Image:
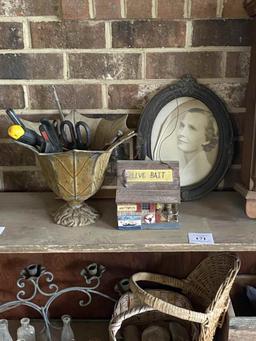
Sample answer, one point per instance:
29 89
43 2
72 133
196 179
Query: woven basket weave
129 310
207 287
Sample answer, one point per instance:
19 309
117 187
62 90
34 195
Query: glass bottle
26 331
4 331
67 332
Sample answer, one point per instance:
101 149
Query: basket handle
116 321
157 303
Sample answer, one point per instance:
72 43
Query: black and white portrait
186 130
187 122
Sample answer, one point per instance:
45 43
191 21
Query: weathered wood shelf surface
29 228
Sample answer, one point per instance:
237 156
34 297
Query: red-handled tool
51 141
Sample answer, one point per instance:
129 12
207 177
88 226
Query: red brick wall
110 57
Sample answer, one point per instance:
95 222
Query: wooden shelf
29 228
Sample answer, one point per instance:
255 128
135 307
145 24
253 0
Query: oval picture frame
187 91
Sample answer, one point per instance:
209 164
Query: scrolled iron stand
34 273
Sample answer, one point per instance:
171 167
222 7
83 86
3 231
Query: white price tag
200 238
2 229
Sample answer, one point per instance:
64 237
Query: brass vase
76 175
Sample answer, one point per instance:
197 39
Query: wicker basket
129 310
207 287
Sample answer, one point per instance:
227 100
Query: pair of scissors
75 136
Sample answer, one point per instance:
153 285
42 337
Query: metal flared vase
76 175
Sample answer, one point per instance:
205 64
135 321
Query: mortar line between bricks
234 110
108 187
104 90
219 10
222 80
80 81
98 21
26 97
143 65
189 33
65 66
92 9
154 8
187 9
1 181
108 35
224 64
123 6
32 18
26 35
92 111
129 50
35 112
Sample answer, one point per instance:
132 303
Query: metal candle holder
33 273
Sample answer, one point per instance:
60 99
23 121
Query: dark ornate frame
188 87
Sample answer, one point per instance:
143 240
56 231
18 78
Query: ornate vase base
73 216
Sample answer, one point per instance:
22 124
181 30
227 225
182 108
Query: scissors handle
68 134
52 143
83 135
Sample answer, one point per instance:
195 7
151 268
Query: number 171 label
200 238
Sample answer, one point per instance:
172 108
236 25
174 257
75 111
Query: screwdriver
15 119
25 135
62 117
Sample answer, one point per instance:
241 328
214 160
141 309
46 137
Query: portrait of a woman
185 130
